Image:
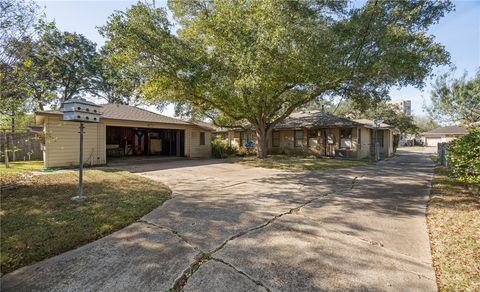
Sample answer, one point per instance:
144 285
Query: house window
202 138
346 138
312 138
275 139
246 138
298 138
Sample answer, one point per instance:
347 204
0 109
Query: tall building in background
404 106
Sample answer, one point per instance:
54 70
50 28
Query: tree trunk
262 141
5 148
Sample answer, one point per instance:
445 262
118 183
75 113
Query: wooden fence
28 146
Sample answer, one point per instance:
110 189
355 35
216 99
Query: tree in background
387 112
456 100
258 61
19 19
20 22
425 124
117 81
73 57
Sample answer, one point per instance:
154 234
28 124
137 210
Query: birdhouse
80 110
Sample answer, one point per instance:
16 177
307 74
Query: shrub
246 151
220 149
464 157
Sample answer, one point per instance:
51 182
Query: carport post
377 123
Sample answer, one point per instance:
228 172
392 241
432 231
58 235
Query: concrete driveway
236 228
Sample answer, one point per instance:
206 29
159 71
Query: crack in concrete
273 219
270 221
235 184
182 280
353 182
174 232
255 281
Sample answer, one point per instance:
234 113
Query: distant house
123 131
320 134
442 135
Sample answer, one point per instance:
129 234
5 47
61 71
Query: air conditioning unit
80 110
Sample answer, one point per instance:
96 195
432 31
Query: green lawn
298 163
411 148
19 166
38 219
17 170
453 217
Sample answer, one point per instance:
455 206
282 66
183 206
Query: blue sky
459 31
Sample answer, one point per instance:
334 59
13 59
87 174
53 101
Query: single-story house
122 131
321 134
442 135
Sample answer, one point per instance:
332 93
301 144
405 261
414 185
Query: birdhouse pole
81 196
80 110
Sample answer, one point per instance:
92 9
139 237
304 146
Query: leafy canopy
260 60
456 100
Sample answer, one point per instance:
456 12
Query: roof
205 125
312 119
371 124
452 130
318 119
129 113
81 101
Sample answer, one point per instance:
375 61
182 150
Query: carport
130 141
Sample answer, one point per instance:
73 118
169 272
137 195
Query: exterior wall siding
328 142
197 150
62 145
363 148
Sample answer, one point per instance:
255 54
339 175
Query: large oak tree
257 61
